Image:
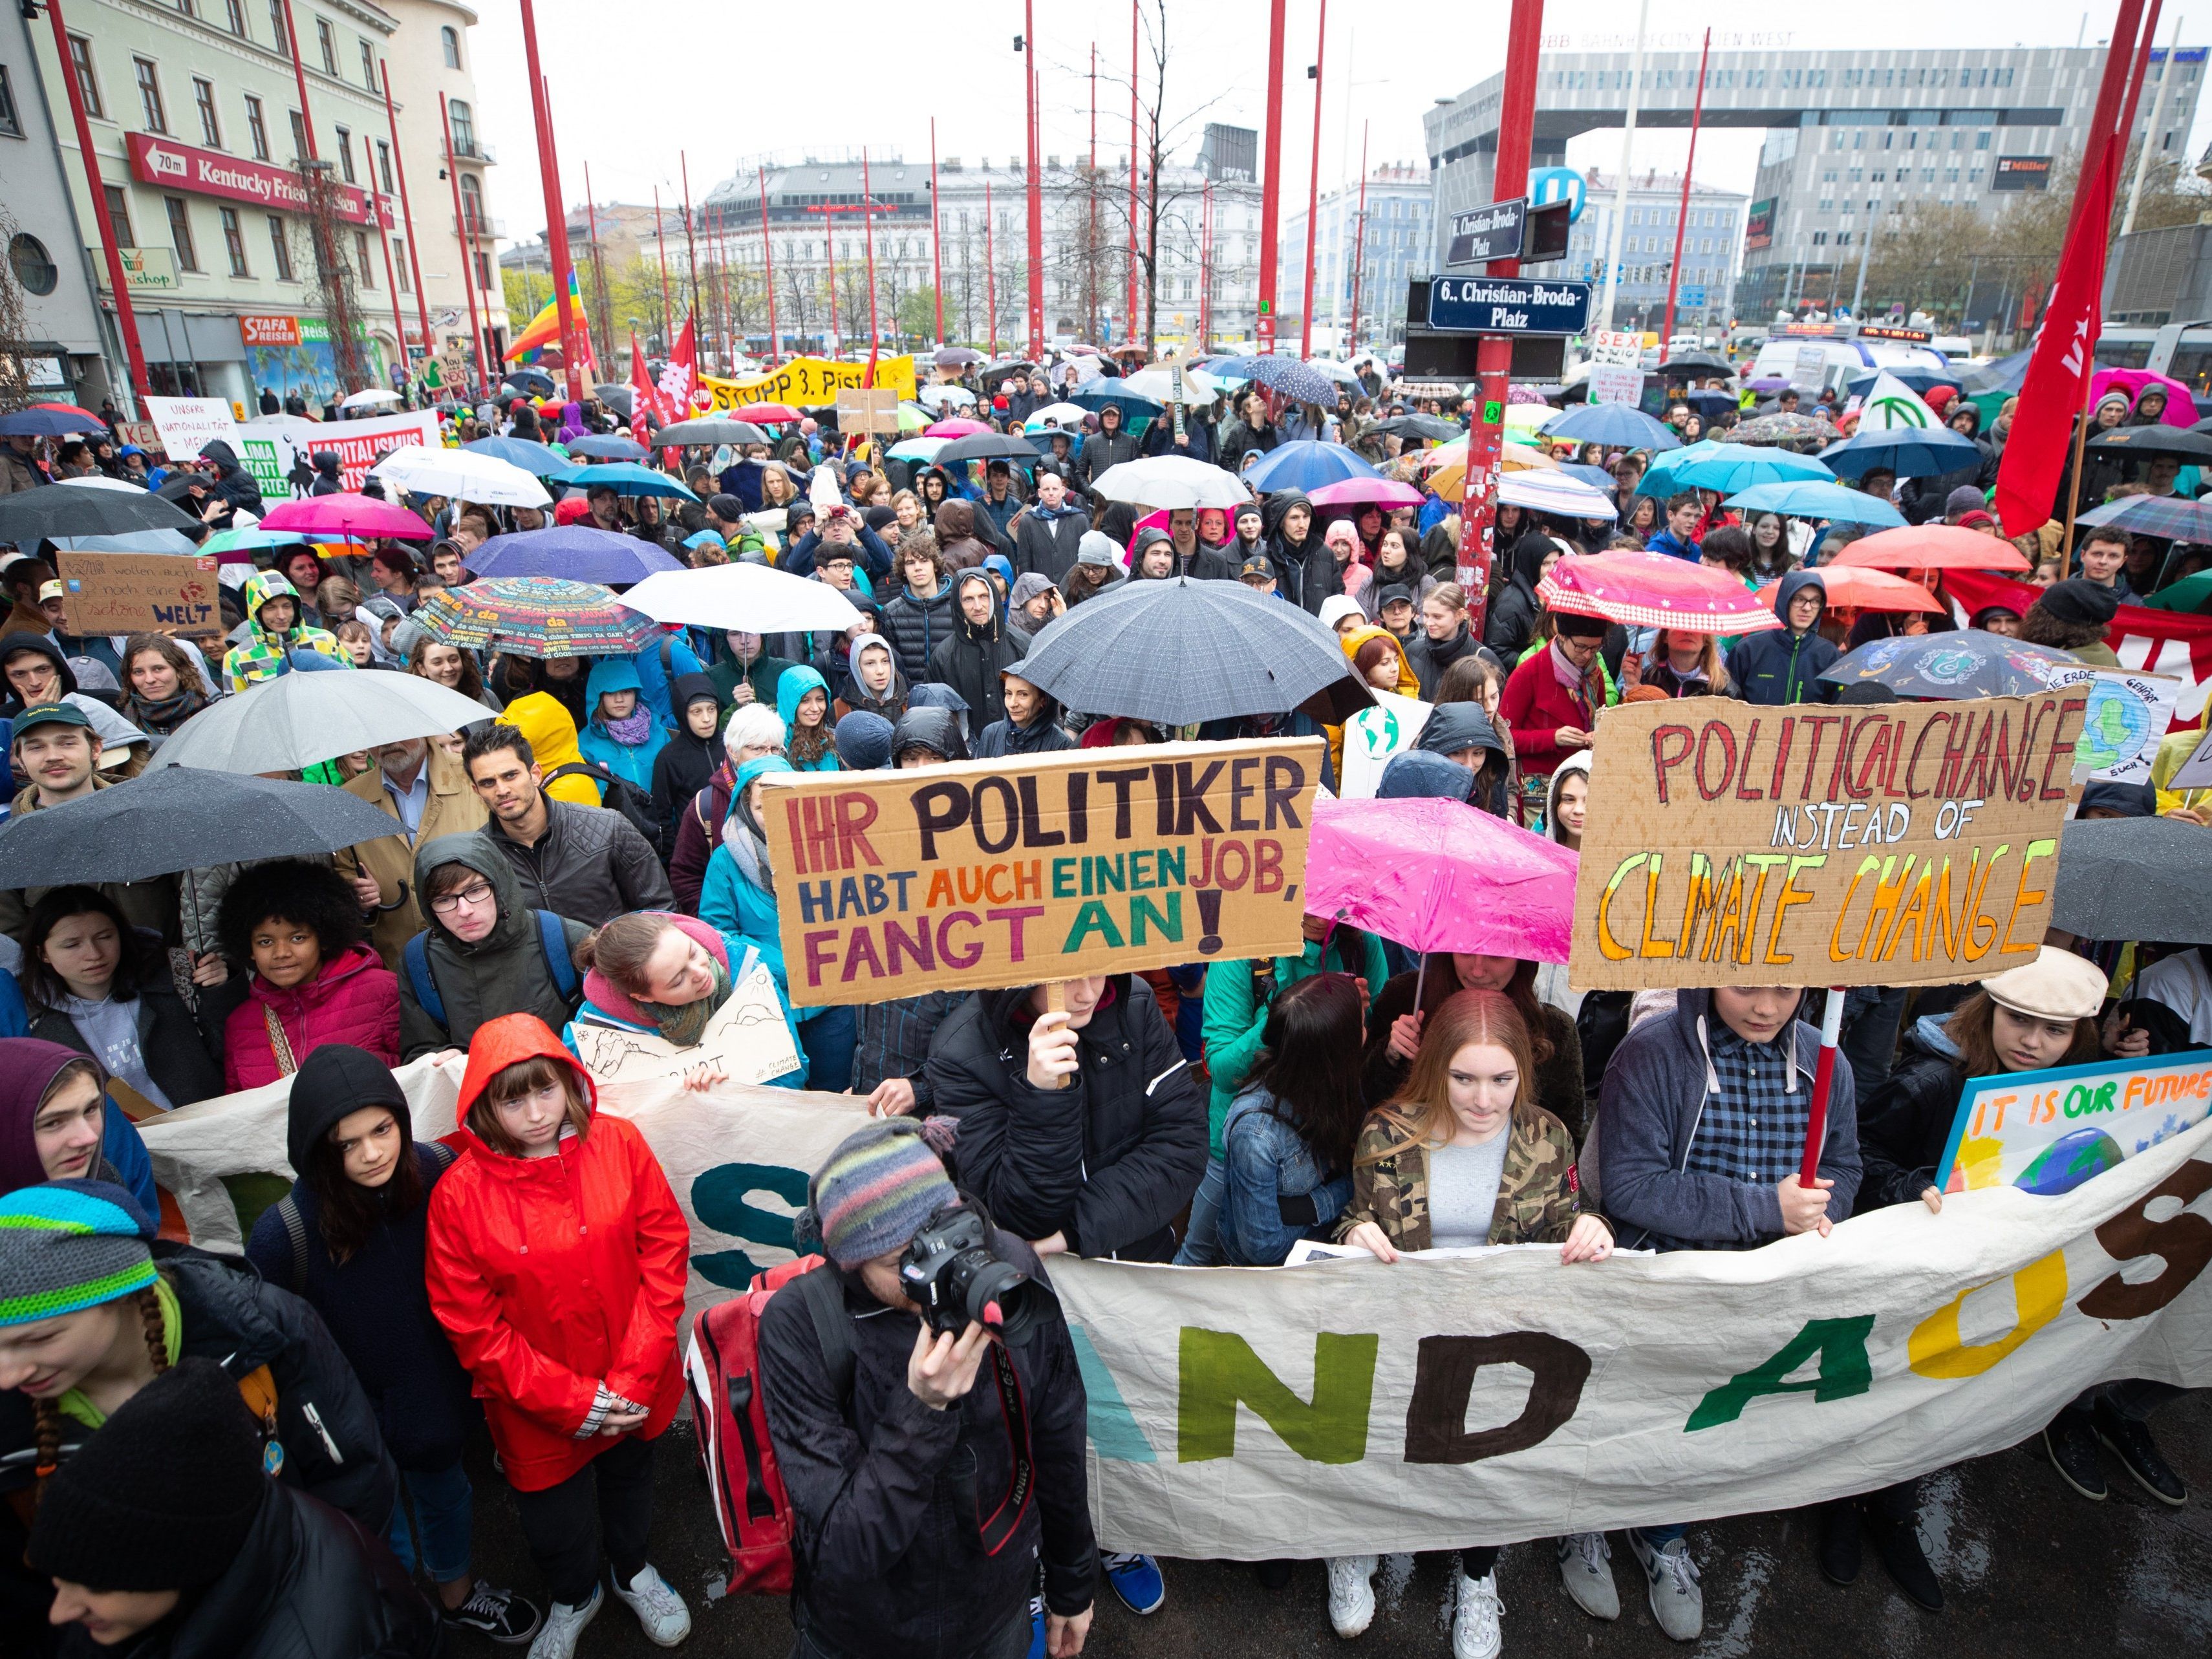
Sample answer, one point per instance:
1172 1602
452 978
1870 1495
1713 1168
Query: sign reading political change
1018 872
139 594
2048 1132
809 382
1870 844
747 1036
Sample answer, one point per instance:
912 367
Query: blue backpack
550 939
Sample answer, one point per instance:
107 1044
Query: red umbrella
1639 588
74 409
770 413
348 515
1350 492
1931 547
1867 590
958 426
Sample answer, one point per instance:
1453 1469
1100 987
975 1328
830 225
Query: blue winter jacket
654 679
630 761
738 899
790 689
1779 664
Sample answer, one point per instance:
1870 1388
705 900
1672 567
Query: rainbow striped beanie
71 1244
876 1191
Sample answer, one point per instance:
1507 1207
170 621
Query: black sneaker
1897 1540
505 1616
2070 1441
2139 1455
1838 1548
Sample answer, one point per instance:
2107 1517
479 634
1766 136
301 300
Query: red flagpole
1129 319
407 212
127 320
461 227
383 237
1312 191
767 261
936 243
1682 214
557 219
1271 183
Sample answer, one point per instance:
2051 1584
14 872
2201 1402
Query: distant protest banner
1348 1406
1020 872
139 594
2048 1132
1870 844
747 1036
188 425
809 382
2126 720
358 444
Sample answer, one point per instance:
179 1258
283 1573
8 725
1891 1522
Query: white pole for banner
1816 1125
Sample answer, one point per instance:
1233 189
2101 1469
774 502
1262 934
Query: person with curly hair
314 980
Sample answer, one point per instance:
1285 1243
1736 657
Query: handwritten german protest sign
808 382
2048 1132
1876 844
1021 872
138 594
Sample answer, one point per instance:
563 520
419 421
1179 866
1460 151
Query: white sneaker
1351 1593
1676 1600
556 1637
1586 1569
660 1609
1475 1634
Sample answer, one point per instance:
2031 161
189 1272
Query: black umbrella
2180 440
619 398
2130 878
710 429
608 449
1178 652
28 515
1696 363
181 818
958 358
1963 662
1434 427
531 382
992 373
987 447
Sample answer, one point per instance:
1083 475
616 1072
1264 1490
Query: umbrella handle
395 904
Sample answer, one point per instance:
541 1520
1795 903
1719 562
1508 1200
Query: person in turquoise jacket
622 734
738 900
802 697
609 1003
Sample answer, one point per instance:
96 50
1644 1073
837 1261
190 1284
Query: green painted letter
1845 1370
1219 1371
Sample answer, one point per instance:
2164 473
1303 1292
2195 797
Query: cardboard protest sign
2127 717
867 409
1020 872
747 1036
2048 1132
1374 736
1873 844
139 594
2196 772
188 425
809 382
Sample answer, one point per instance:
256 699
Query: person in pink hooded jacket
315 978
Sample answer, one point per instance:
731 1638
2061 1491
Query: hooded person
1028 586
543 720
744 656
658 666
864 742
1293 541
483 951
57 1124
649 954
802 699
1783 664
622 735
1108 447
274 630
233 482
938 731
979 649
1464 735
876 681
686 762
328 480
1512 620
957 540
1031 723
27 685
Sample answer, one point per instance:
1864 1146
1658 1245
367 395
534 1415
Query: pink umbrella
1384 492
957 426
1439 875
1639 588
2180 406
349 516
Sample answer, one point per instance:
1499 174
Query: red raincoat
553 1274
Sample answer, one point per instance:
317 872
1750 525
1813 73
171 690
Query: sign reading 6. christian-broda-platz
1508 305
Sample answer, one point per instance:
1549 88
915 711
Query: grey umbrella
296 720
2134 878
182 818
30 515
1178 652
708 429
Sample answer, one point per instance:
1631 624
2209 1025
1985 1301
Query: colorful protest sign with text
1016 872
2048 1132
1808 845
808 382
139 594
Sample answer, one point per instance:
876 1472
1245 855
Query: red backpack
721 1372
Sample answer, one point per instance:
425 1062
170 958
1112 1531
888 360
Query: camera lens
1002 1297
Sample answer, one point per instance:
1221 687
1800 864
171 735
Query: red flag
646 406
679 379
2057 381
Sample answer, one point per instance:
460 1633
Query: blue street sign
1557 185
1691 296
1508 305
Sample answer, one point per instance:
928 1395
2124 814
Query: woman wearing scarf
164 686
1552 699
654 972
738 900
622 735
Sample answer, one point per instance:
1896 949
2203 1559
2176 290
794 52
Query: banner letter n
1840 1345
1219 1371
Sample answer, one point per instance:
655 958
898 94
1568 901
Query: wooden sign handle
1056 1002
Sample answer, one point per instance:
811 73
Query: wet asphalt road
2031 1571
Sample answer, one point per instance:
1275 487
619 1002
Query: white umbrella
756 599
462 475
1555 492
101 480
373 397
1069 415
933 396
135 541
1158 384
1171 481
1342 373
299 719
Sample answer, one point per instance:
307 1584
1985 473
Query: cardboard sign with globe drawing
2127 717
2048 1132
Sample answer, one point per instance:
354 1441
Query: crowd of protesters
594 852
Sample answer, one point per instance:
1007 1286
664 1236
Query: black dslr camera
951 1272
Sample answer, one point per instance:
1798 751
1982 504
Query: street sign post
1491 232
1501 304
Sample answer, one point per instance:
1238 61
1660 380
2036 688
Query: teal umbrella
627 478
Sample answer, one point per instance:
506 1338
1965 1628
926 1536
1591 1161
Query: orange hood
508 1040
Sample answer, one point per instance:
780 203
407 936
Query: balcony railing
470 147
480 226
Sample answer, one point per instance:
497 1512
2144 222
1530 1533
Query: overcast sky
637 87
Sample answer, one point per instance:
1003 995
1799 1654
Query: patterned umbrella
2175 517
1804 431
1964 662
536 617
1644 589
1285 374
347 516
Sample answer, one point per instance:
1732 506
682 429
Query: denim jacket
1237 1218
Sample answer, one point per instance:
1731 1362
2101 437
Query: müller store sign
211 173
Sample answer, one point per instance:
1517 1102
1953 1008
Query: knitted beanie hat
71 1244
876 1191
164 1495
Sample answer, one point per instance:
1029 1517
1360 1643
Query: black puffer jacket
969 659
332 1447
505 972
1906 1122
1107 447
937 730
1429 658
1109 1162
1293 559
887 1493
915 628
590 866
1512 621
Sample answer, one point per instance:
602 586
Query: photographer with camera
923 1501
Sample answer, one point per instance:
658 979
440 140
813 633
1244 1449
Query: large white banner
1348 1406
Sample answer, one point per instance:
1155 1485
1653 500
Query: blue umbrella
1285 374
1596 477
1809 498
1617 426
1305 463
1910 452
533 457
1739 466
608 449
45 423
1662 480
627 478
1922 381
1099 394
582 553
917 449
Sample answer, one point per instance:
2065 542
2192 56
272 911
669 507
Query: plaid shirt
1752 1130
894 1040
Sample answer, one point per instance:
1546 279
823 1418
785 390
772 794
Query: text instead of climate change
1013 873
1809 845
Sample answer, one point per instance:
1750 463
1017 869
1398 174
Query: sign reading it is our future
1508 305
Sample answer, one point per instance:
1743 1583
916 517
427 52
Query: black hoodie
1298 561
233 482
971 656
327 481
937 730
686 762
1512 622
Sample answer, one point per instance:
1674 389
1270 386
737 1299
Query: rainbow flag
544 329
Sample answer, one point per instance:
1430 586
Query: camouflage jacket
1538 1195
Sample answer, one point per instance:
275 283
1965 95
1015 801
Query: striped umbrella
536 617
